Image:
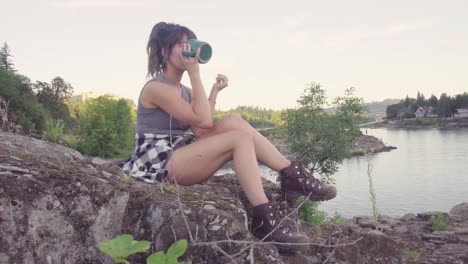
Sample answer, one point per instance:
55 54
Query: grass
429 121
438 223
309 212
413 255
337 219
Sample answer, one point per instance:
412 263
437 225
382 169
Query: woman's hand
221 82
191 63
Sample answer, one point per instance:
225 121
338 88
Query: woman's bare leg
200 160
266 153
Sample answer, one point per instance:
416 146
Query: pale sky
270 50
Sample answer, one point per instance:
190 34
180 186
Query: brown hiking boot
296 181
263 223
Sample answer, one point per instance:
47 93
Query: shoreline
422 123
361 145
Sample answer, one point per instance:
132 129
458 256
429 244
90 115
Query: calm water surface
428 171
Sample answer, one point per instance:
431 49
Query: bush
54 130
16 89
337 219
438 223
106 126
319 139
309 212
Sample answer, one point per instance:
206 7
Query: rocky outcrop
57 205
361 145
368 144
7 119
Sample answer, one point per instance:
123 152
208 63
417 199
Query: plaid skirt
152 151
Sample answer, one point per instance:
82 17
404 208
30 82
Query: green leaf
139 246
177 249
156 258
122 246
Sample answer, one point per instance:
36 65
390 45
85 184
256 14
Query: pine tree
5 58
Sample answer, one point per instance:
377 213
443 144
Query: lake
427 172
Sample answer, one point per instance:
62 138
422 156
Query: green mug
205 50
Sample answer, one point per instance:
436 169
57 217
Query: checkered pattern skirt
152 151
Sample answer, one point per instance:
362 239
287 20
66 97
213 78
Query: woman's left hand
221 82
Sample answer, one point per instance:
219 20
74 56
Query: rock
365 221
379 248
408 217
58 210
460 210
444 236
456 253
426 216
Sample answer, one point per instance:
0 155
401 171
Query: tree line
102 126
444 106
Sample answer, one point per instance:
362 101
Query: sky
270 50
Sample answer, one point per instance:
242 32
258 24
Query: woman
167 109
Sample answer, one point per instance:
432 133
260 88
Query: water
427 172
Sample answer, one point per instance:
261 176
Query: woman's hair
164 36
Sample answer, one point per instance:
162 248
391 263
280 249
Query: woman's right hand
191 63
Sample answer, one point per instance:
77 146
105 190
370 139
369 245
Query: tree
420 100
5 58
55 97
321 140
16 89
106 126
393 110
446 106
433 101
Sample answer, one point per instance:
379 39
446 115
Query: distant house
425 111
462 113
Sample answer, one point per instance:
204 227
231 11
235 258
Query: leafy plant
122 246
337 219
309 212
71 140
438 223
106 127
54 130
171 257
413 255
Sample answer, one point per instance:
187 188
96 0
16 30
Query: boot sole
292 196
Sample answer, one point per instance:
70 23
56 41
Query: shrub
309 212
54 130
438 223
337 219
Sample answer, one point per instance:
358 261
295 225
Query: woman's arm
201 106
221 83
159 94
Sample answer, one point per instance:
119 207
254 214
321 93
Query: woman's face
174 59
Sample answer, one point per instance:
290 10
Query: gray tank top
156 120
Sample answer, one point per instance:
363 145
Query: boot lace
274 215
311 180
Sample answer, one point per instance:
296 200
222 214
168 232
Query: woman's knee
242 137
233 121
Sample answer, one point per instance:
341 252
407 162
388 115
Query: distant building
425 111
80 98
462 113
